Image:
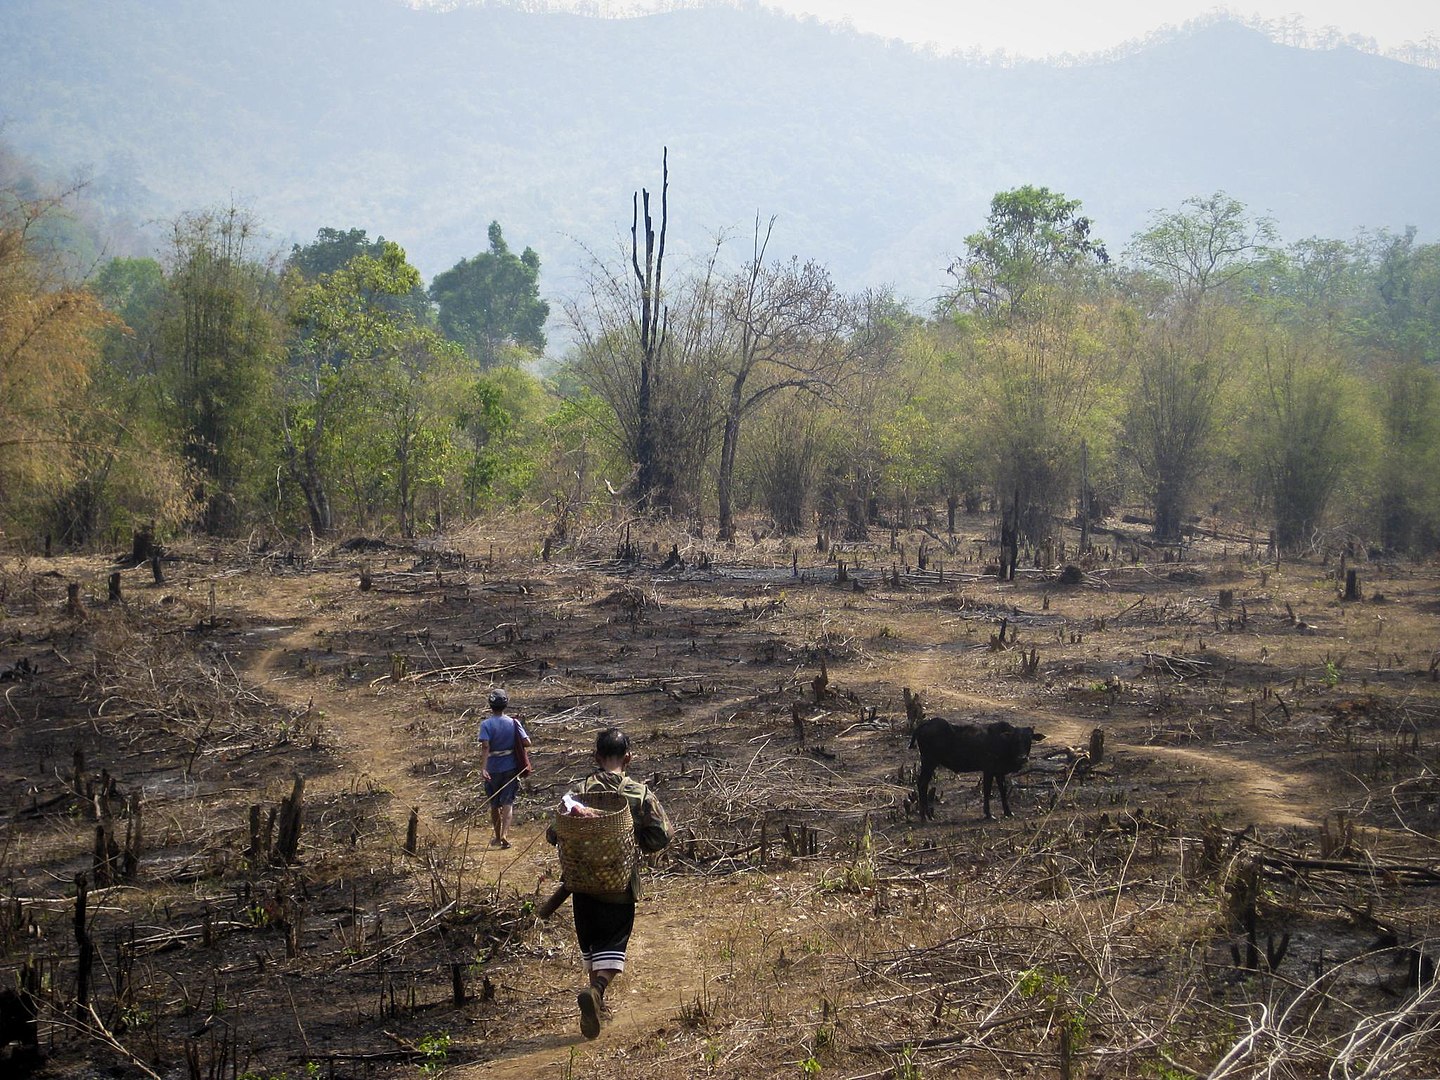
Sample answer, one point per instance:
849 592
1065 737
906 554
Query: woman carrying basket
604 921
503 760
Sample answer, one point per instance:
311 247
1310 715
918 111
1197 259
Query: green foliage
1310 431
1202 249
905 1067
492 300
221 339
333 249
371 394
1033 236
501 420
434 1048
1407 400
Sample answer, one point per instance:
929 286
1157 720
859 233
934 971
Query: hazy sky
1038 28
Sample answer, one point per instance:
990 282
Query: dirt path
672 928
369 731
661 976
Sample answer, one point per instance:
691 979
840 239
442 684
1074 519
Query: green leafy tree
492 301
414 387
342 323
500 418
221 343
1032 278
877 334
332 249
371 394
1033 236
136 291
1185 348
1203 249
1408 404
1309 429
1406 316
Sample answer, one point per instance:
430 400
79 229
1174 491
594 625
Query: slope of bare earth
1242 883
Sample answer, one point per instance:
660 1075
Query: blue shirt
499 731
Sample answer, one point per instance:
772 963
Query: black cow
994 750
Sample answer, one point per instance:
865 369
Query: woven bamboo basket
597 854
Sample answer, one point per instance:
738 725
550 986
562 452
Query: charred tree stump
156 571
294 927
85 944
412 831
114 596
72 601
134 835
821 682
253 851
105 855
20 1024
142 546
365 583
457 984
1097 747
1352 585
288 842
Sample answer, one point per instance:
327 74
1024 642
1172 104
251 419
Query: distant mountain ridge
424 125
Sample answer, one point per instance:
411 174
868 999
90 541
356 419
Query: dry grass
1243 888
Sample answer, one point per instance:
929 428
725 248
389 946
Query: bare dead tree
786 322
654 321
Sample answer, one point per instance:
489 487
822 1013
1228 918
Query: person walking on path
603 922
504 758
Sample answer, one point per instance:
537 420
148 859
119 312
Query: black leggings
603 930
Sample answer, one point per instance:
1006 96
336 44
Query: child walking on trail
500 737
603 922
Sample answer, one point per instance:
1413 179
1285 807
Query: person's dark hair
611 743
498 700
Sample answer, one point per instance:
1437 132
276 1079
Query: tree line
1204 372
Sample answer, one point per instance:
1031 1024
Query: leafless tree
786 329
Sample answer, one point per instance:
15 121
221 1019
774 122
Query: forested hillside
1199 365
425 125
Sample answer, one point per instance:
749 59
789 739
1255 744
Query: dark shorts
603 931
502 787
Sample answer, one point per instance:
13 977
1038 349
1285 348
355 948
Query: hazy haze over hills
424 125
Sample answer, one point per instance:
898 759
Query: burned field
1236 877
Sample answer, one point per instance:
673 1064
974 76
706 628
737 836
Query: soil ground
1253 854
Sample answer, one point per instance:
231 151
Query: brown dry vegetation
1243 886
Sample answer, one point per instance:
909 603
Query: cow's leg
989 779
922 785
1004 794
